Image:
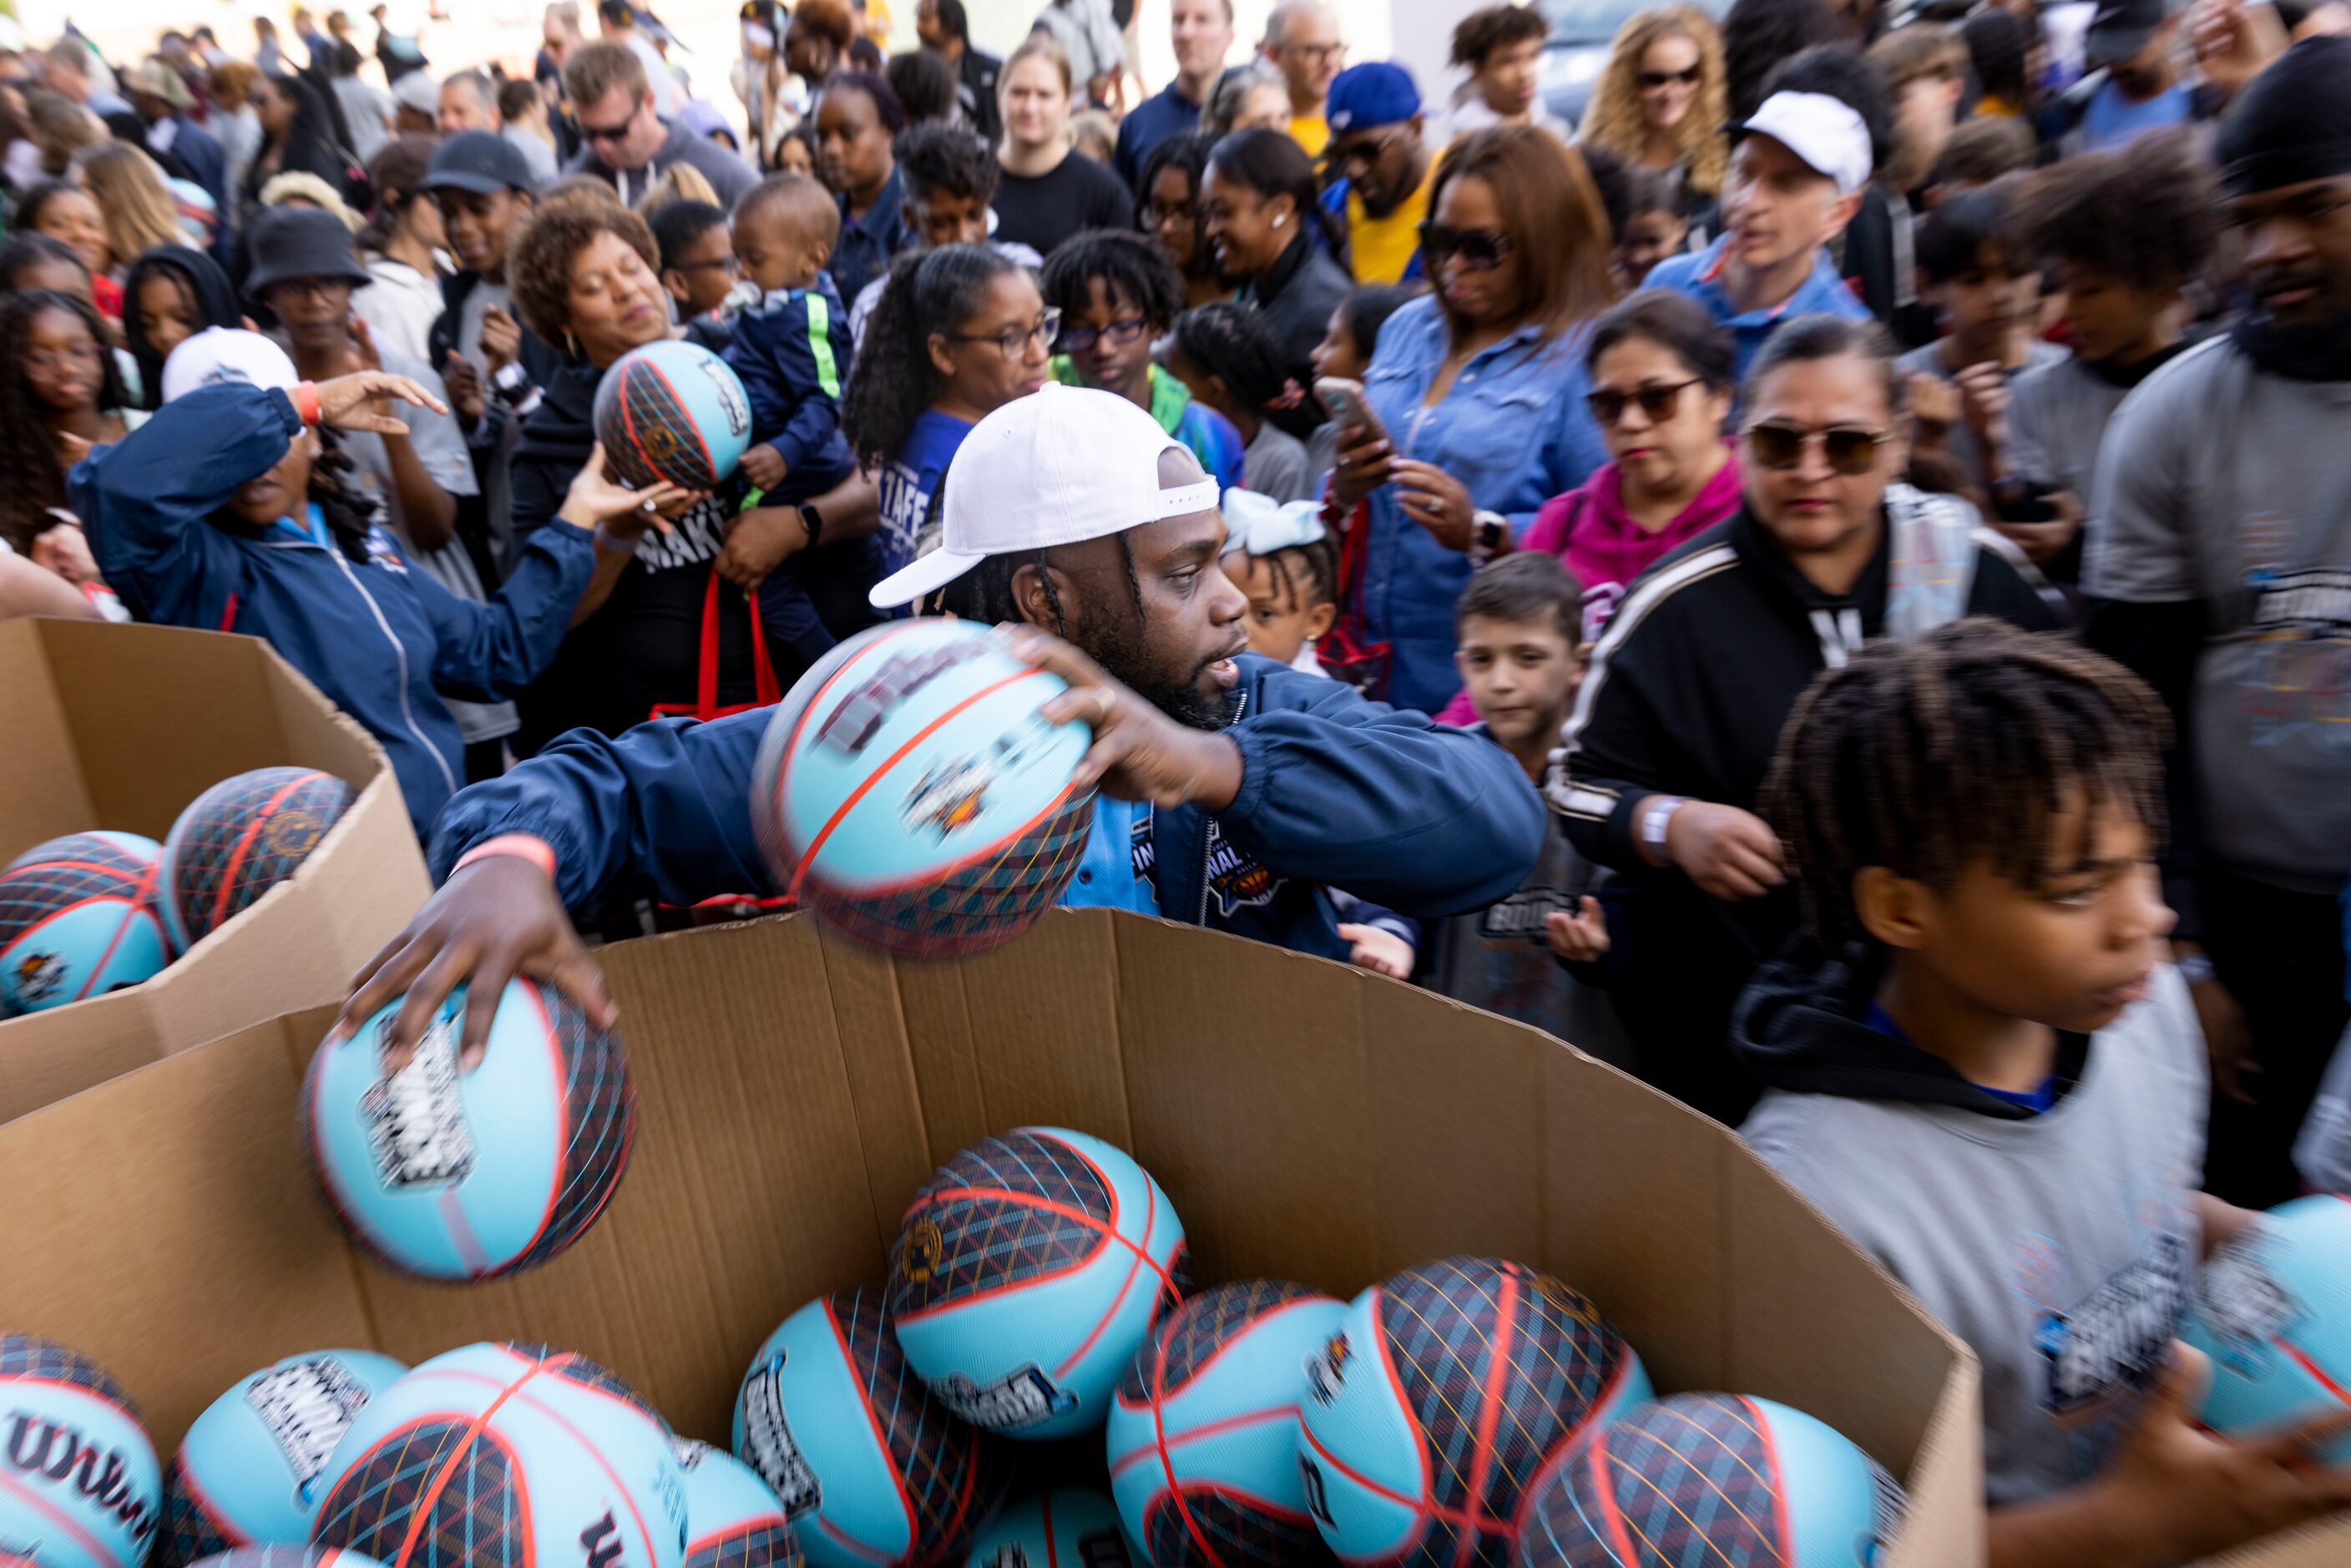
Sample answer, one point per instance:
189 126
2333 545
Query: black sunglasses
1481 250
1850 449
1652 80
1657 402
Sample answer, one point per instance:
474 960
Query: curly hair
32 480
1758 35
1492 28
2146 216
539 260
1126 265
926 86
947 160
893 380
1615 122
1232 343
887 107
1955 750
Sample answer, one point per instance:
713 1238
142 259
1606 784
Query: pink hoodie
1596 538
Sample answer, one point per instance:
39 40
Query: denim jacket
1513 429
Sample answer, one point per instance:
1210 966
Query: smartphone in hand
1345 398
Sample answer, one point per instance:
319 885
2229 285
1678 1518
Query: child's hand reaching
764 466
1581 937
1381 952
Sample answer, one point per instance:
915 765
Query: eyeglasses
1315 53
1156 212
1851 449
1120 334
1481 250
1014 341
1367 152
47 362
1652 80
1657 402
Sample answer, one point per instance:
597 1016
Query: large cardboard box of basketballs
1304 1121
116 730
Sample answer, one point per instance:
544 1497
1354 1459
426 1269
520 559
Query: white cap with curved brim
1059 466
1826 132
219 354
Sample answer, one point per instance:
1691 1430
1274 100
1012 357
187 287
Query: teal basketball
909 791
1203 1431
1444 1389
2273 1312
1065 1527
733 1519
79 917
673 411
79 1487
1709 1478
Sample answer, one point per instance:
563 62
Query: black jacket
1296 296
1687 691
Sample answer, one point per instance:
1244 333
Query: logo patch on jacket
1237 879
1520 918
382 552
1140 848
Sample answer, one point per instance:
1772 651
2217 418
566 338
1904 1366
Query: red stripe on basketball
64 1522
866 784
874 1420
1419 1505
628 1498
1605 1489
1159 1438
1489 1409
1191 1435
130 911
221 1525
432 1493
548 1038
1026 1200
2317 1374
849 1543
245 841
1386 1363
1133 1266
709 464
1787 1542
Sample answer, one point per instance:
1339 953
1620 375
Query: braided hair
32 480
992 600
1232 343
1956 748
893 380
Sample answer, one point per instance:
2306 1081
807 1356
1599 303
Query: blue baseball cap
1377 92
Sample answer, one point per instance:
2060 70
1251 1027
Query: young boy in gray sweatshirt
1995 1082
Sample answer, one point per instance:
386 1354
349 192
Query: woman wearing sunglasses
1475 393
1706 656
1660 102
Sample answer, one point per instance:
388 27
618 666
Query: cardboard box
120 726
1309 1121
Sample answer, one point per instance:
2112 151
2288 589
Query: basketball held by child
872 1471
673 413
77 919
247 1472
1204 1429
450 1172
241 838
79 1486
911 793
1709 1478
1025 1275
507 1455
1444 1390
733 1519
1067 1527
2272 1310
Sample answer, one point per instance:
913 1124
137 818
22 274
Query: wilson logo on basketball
44 1452
1326 1371
600 1543
925 1247
38 975
293 833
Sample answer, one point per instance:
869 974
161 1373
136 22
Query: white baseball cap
219 354
1059 466
1824 131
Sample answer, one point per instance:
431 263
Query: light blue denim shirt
1513 429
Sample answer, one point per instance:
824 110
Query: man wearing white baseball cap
1801 163
1234 788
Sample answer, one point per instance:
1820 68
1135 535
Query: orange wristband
536 851
306 402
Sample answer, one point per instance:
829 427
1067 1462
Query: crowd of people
1822 581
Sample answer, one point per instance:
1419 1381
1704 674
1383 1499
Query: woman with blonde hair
1661 101
132 197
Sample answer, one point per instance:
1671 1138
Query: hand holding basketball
1139 753
596 497
347 402
495 919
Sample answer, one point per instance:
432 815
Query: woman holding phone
1474 403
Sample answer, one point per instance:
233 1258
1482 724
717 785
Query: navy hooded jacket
1424 818
380 639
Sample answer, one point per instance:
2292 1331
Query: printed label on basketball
870 704
293 833
38 975
1024 1398
768 1444
305 1407
731 401
2243 1303
1317 1502
925 1248
1326 1370
49 1458
415 1118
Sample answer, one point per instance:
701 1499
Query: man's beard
1121 654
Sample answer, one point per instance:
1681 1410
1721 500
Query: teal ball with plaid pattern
238 839
672 411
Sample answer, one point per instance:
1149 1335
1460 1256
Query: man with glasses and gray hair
1301 39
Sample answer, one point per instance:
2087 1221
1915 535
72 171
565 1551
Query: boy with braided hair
1987 1073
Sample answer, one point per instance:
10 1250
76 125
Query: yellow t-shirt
1383 247
1311 131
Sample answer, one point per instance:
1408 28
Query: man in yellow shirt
1301 39
1382 157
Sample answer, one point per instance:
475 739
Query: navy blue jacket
792 353
380 639
1164 113
199 152
868 244
1424 818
